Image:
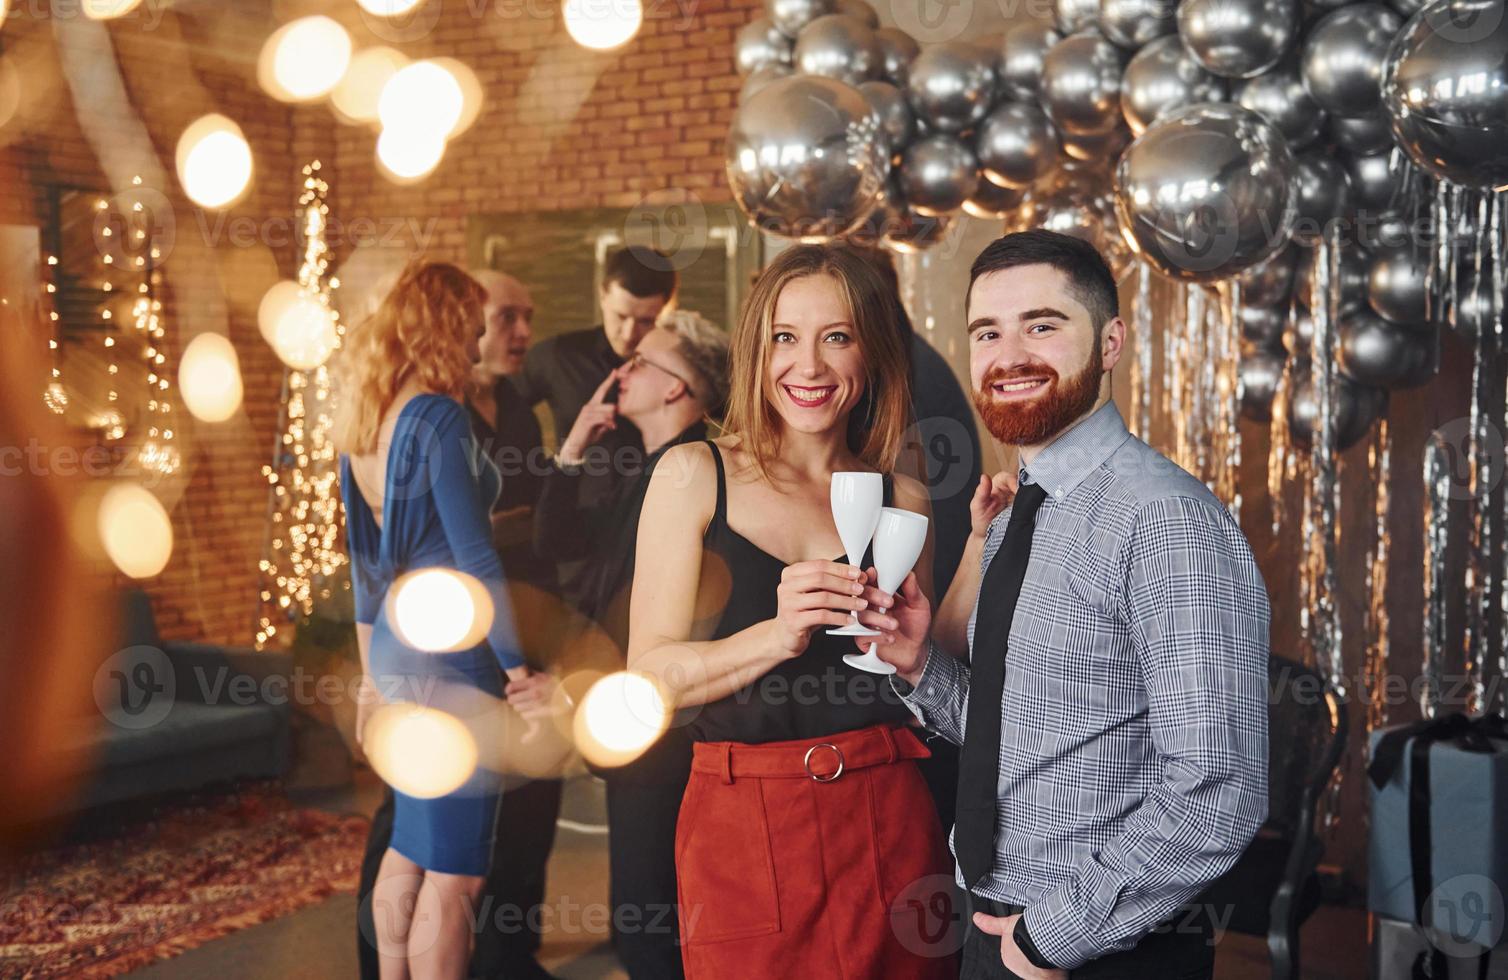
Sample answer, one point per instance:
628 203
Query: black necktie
979 762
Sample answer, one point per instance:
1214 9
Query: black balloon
1263 326
1261 373
1376 352
1269 283
1324 195
1354 268
1356 408
1363 135
990 200
1396 287
1373 183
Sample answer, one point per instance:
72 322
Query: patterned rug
168 882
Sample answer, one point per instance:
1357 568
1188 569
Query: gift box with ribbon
1439 837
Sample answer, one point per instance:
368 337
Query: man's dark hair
642 271
1089 278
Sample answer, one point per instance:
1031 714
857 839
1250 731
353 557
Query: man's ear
1112 342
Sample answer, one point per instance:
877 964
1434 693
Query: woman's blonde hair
420 329
877 424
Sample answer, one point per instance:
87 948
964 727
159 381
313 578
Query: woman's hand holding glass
813 594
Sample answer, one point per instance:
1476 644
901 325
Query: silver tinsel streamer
1479 577
1375 661
1228 389
1319 619
1282 461
1141 374
1437 483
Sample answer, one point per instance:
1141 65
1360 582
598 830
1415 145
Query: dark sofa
222 715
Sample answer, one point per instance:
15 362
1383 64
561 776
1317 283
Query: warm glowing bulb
408 156
603 24
209 378
388 8
135 530
471 93
620 716
107 9
356 96
305 59
439 610
214 161
423 97
422 752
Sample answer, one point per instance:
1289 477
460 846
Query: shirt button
1058 492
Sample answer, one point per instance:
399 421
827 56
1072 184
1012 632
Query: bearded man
1101 656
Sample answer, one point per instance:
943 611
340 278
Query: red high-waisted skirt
812 859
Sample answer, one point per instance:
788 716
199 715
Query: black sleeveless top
811 696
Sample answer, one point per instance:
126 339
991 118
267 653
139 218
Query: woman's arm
663 613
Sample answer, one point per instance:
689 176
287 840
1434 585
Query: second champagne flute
898 543
857 499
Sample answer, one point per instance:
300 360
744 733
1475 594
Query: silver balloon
1020 61
859 10
838 46
1072 16
1356 408
1324 194
1352 279
938 174
1373 183
990 200
1268 284
1444 86
1161 77
1261 373
895 113
1073 200
789 16
758 44
1376 352
1298 336
1016 145
1408 8
1342 57
1279 97
1238 38
1387 232
1081 84
901 228
1102 149
1207 192
1263 326
897 50
1363 135
1134 23
952 85
806 158
1396 288
1473 312
757 80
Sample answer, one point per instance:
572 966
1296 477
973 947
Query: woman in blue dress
417 492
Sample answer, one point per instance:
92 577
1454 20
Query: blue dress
439 490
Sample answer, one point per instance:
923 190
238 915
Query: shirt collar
1063 463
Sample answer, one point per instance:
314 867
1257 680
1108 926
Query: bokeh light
621 716
355 98
603 24
388 8
439 610
304 59
214 161
209 378
299 328
422 99
409 156
471 93
107 9
421 751
135 531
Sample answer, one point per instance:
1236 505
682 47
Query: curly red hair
420 330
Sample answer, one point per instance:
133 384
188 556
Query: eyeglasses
637 360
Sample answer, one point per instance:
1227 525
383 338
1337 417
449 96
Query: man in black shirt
565 371
677 376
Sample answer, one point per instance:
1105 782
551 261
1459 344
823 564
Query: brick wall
561 128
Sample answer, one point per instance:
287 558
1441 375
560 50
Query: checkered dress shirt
1133 738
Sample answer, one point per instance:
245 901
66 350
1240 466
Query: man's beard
1033 422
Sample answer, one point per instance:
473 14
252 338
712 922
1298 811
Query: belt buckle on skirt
808 762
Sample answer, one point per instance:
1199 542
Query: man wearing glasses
675 379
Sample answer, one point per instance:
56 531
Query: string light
305 516
157 453
110 422
56 394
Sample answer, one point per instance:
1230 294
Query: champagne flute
898 543
857 499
